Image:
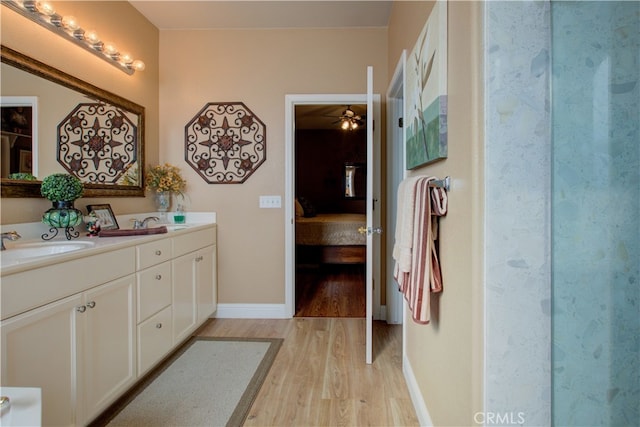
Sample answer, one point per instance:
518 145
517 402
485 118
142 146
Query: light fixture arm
60 25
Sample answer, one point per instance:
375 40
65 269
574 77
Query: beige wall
113 20
258 68
446 355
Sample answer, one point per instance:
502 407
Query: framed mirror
71 113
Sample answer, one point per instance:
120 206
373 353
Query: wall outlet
270 202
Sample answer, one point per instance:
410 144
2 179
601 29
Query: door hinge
400 122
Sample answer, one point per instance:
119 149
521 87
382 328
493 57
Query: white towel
404 224
417 269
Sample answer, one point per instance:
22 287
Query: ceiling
245 14
323 116
218 14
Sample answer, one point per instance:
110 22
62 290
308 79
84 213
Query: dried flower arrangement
165 178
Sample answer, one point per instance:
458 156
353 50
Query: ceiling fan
349 120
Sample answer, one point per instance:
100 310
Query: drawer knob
158 252
91 304
159 325
158 276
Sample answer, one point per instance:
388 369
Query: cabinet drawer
154 340
34 288
154 290
153 253
193 241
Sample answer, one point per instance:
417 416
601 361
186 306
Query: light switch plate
270 202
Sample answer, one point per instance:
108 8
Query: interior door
371 229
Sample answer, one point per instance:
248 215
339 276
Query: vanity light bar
42 13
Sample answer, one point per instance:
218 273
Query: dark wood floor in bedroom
331 290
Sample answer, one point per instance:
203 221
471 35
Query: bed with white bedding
332 238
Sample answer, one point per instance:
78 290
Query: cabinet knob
91 304
159 325
200 258
81 309
158 252
158 276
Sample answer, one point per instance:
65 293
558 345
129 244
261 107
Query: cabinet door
184 296
39 349
206 283
109 344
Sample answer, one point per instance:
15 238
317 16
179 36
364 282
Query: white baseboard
251 311
416 395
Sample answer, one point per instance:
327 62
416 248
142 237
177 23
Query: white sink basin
24 251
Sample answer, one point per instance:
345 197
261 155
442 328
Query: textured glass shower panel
596 213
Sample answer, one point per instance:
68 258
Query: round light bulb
92 37
110 48
126 58
45 8
70 22
345 125
138 65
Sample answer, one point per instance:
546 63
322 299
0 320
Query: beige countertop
94 245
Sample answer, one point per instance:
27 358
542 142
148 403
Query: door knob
370 230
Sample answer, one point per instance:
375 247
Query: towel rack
441 183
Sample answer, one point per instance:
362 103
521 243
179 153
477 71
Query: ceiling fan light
345 124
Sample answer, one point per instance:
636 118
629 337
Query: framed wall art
426 102
105 216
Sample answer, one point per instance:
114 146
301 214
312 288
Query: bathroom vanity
86 325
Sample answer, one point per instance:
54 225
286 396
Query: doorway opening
330 167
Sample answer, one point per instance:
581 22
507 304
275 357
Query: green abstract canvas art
426 103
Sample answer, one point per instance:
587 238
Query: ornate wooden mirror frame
16 188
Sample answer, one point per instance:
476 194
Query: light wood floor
320 377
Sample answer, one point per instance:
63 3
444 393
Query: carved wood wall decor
225 143
98 143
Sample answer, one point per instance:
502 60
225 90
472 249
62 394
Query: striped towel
422 276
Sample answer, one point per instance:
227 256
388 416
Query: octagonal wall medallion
225 142
97 143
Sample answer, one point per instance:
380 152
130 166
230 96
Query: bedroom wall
320 159
257 67
128 29
445 357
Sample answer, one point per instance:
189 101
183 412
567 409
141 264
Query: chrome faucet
11 235
137 224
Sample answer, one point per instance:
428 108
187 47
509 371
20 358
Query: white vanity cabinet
194 281
72 333
79 350
86 329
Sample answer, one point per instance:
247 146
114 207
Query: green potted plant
62 189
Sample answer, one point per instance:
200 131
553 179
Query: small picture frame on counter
106 218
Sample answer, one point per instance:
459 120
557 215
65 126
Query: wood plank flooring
331 290
320 377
